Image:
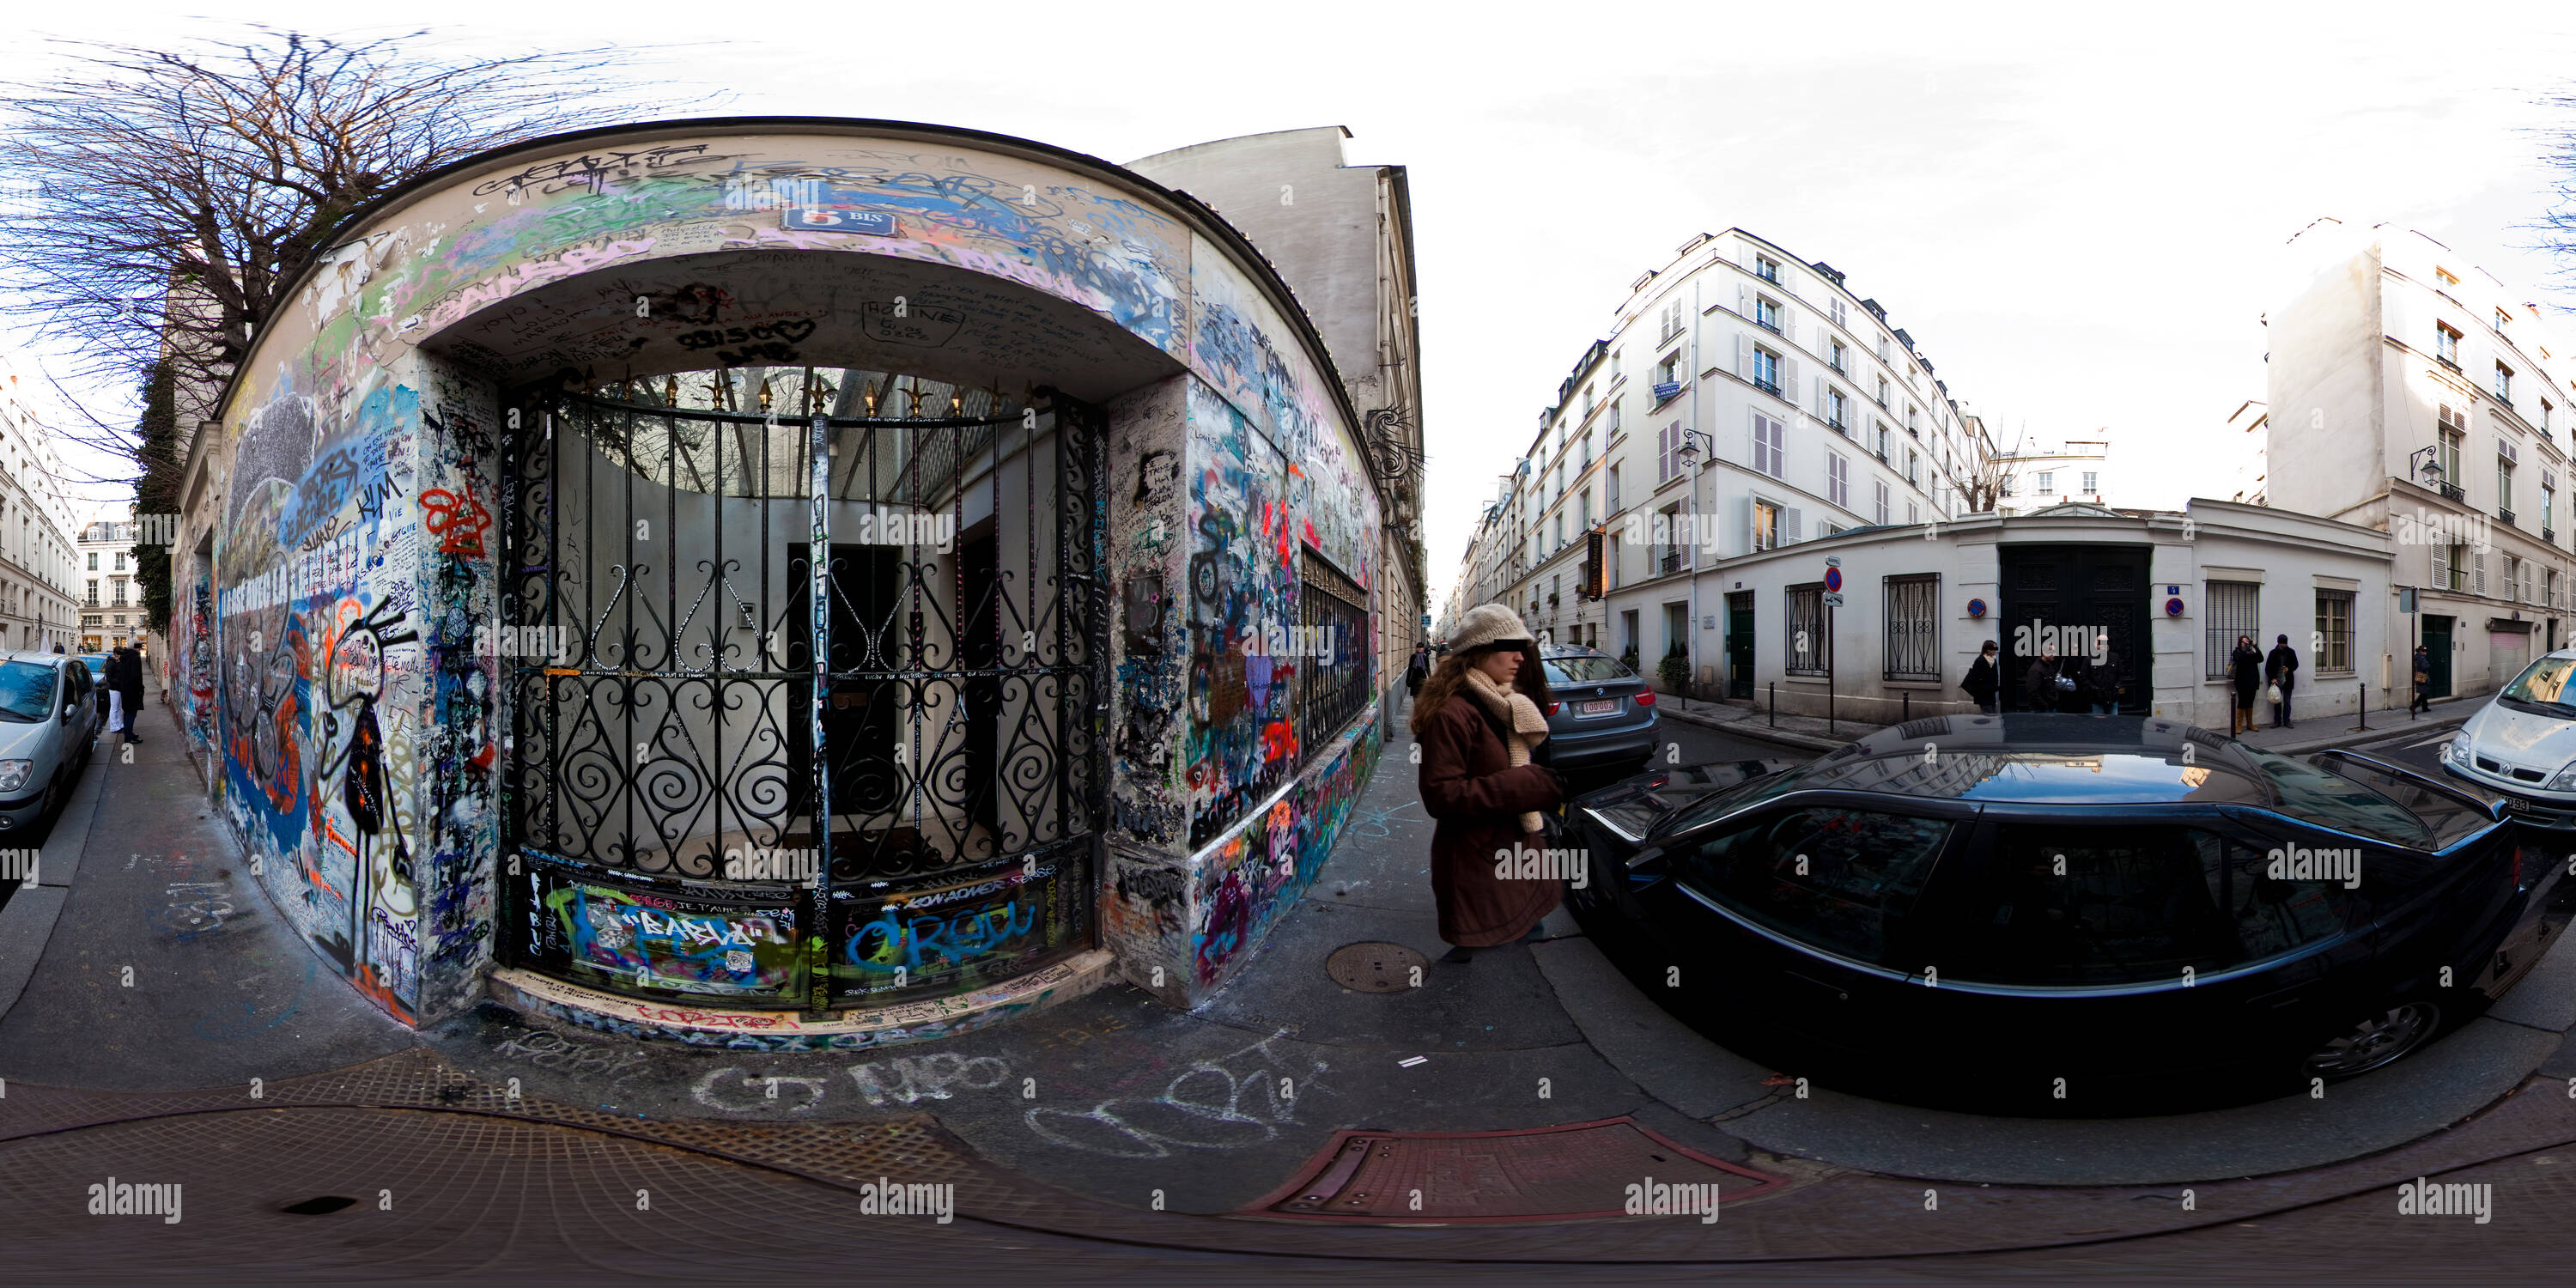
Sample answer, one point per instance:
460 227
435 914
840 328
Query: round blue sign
1976 608
2173 608
1834 579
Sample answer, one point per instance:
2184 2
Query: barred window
1913 628
1809 653
2334 632
1334 689
2232 612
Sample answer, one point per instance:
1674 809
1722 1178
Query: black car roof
2048 759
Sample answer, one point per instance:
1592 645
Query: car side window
2271 915
1838 879
2077 906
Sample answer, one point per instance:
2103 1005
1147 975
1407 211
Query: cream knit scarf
1522 716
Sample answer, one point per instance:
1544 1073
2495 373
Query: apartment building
2414 393
2034 478
111 613
1745 399
37 607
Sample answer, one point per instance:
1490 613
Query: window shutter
2441 566
2478 572
1789 377
1743 300
1790 531
1743 357
1744 520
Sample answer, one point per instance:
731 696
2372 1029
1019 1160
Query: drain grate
1375 967
1580 1171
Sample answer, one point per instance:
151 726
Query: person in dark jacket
2039 688
1982 680
2102 679
2281 667
1479 721
125 674
2245 672
1417 671
2423 665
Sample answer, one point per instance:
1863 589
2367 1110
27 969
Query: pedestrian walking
2423 665
2245 672
2039 684
125 704
2102 679
2281 669
1417 671
1479 720
1982 680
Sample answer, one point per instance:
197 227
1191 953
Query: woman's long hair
1451 676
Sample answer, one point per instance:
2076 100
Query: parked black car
1604 715
2078 915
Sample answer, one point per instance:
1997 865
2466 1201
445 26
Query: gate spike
871 396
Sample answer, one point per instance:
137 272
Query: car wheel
2377 1041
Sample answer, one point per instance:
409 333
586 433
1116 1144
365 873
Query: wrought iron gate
738 772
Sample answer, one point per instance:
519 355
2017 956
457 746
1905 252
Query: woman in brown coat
1479 718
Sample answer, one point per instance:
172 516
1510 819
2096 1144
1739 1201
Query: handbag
2066 684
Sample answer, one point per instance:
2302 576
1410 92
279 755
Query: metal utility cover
1576 1172
1374 967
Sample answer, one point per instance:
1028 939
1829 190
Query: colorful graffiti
652 941
958 935
1245 882
199 661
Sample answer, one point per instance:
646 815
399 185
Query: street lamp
1690 453
2427 462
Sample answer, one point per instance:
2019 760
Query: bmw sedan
2077 915
1603 714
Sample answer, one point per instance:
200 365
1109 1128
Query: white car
2522 743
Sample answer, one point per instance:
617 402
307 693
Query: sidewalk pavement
1811 734
1115 1119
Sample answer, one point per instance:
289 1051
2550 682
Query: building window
2548 505
93 592
1834 406
2092 483
2503 320
1834 355
1913 628
2445 275
1583 510
1881 485
2446 343
1766 268
1670 521
93 561
2451 567
1766 526
1767 435
2504 486
1913 513
1910 426
2545 410
1766 313
1838 480
1614 418
2232 612
1913 468
1882 440
1766 370
2047 482
1882 391
1809 652
1669 371
1610 490
1841 315
2448 453
2503 391
120 555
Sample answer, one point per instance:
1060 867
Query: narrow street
1111 1136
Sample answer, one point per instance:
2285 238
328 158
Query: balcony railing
1766 386
2549 534
2507 517
1671 562
1767 325
2453 492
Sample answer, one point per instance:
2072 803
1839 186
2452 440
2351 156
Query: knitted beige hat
1488 624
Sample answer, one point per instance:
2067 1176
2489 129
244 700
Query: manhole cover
1376 968
1579 1171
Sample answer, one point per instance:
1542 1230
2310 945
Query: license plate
1601 707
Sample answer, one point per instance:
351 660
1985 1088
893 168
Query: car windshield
1584 670
2543 687
26 691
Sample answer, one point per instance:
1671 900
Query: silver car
48 725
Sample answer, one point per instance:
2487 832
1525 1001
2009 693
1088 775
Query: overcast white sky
2074 213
